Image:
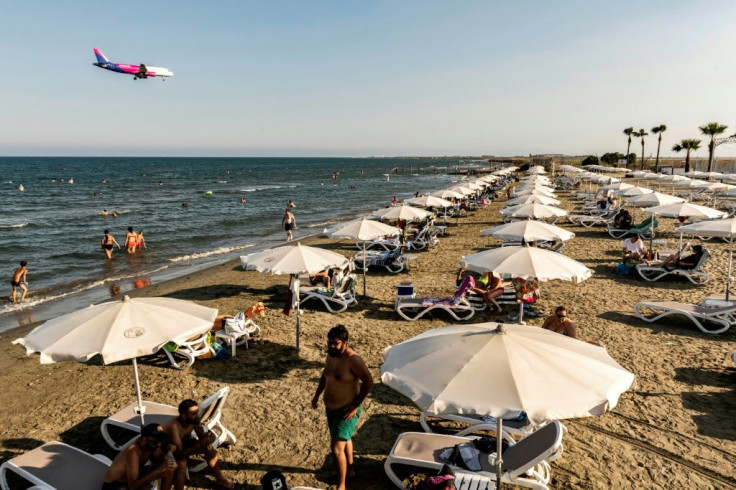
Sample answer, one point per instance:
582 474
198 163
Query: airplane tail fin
100 57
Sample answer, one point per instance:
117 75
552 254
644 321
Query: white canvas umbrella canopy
465 191
119 330
403 212
690 184
633 191
618 186
293 260
536 211
725 228
500 370
653 199
526 263
362 229
535 187
694 173
429 202
529 231
531 199
685 210
448 194
641 174
533 192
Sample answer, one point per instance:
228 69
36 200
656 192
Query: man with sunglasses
129 471
560 323
179 430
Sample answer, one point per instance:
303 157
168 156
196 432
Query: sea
189 209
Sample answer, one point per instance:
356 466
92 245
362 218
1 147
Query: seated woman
325 278
688 261
623 220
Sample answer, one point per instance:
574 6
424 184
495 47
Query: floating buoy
208 193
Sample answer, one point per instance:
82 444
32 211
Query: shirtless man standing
345 382
560 323
289 223
19 280
128 470
178 430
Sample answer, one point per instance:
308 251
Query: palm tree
640 134
658 130
628 132
712 129
688 145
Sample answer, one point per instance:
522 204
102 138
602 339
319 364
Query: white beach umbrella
724 228
363 229
465 191
501 370
616 186
119 330
535 186
429 202
685 210
690 184
640 174
534 192
448 194
403 212
694 173
526 263
653 199
473 186
712 175
674 178
293 260
633 191
533 210
530 199
529 231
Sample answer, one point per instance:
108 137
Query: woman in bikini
107 243
494 289
131 241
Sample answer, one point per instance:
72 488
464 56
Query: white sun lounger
187 352
457 306
57 466
210 412
696 275
336 301
699 315
524 463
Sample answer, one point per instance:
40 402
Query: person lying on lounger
128 470
688 261
488 286
179 429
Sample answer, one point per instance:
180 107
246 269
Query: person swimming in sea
104 213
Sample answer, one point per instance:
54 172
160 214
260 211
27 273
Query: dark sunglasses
561 316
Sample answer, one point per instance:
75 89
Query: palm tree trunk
641 165
656 164
711 150
687 161
628 148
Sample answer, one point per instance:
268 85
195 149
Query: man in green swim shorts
345 381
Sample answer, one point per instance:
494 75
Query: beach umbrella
429 202
119 330
362 229
533 192
617 186
448 194
531 199
685 210
535 187
529 231
293 260
461 189
653 199
500 370
633 191
694 173
526 263
690 184
403 212
640 174
724 228
533 210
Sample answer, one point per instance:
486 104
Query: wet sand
675 428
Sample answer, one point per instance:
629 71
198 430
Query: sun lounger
723 317
393 261
590 220
336 299
457 306
387 244
210 411
183 355
696 275
59 466
524 463
645 229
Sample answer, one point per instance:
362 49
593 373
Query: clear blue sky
355 78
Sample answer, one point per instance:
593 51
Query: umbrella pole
499 458
730 262
298 312
521 313
140 409
365 266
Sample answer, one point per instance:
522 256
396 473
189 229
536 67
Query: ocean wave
13 225
217 251
42 297
263 188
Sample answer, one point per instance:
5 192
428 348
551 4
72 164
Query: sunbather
178 430
623 220
688 261
633 249
487 286
560 323
128 470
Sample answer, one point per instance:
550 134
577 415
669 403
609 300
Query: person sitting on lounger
179 429
128 470
688 261
321 278
623 220
488 286
560 323
634 249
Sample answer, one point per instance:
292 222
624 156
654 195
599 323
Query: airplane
138 71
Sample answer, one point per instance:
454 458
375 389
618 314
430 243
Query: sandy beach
675 428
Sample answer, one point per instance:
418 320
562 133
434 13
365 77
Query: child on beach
19 280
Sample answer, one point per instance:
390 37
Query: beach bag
274 480
624 269
489 444
464 455
235 325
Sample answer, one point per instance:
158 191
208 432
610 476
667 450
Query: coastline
667 431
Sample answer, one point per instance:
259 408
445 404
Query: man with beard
179 430
345 382
129 471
